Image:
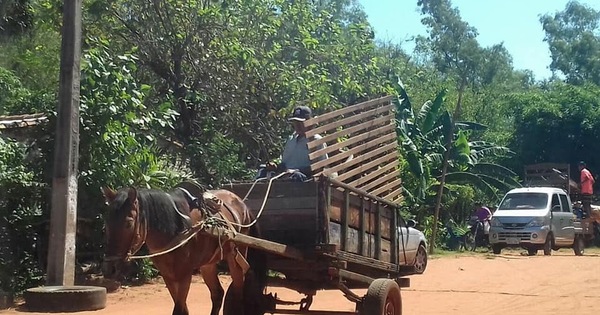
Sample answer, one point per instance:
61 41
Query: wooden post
63 220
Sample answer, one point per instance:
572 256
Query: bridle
138 238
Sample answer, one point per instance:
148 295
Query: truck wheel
496 249
383 298
65 298
548 245
579 245
532 251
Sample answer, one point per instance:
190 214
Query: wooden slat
362 230
344 224
268 246
361 159
391 185
354 118
365 179
367 166
348 109
368 146
394 194
378 238
383 179
379 132
347 131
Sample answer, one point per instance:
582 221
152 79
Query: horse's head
125 232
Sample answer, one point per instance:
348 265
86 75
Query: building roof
22 121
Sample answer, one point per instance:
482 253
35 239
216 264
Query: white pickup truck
535 218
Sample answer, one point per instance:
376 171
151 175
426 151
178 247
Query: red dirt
466 285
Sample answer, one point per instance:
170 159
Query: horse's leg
236 288
182 292
172 286
211 279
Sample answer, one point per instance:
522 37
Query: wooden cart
340 230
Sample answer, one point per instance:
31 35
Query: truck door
568 228
557 221
562 220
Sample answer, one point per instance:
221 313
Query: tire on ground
65 298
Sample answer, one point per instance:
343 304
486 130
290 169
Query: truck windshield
524 201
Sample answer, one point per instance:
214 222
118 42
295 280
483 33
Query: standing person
295 153
587 188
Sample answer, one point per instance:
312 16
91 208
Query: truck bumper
520 237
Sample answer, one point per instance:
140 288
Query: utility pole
63 219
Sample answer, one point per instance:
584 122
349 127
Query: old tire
65 298
579 245
496 249
548 245
420 260
532 251
383 298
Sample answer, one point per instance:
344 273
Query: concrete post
63 220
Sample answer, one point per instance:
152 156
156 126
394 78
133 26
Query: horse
157 218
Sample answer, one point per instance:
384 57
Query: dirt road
466 285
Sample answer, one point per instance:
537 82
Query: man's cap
301 113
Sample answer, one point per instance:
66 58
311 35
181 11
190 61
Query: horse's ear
109 194
132 194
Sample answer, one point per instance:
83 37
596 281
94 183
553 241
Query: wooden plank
365 179
347 109
380 134
362 229
387 187
278 189
366 261
362 167
362 193
394 195
282 203
335 124
344 224
394 238
329 163
267 246
348 131
337 215
378 238
380 180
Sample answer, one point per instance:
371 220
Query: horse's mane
157 209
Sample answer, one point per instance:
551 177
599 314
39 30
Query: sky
512 22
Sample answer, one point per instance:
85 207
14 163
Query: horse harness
210 208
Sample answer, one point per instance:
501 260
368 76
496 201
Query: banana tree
423 137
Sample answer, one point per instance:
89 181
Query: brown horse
156 218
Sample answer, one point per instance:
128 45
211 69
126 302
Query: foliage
557 125
20 198
574 42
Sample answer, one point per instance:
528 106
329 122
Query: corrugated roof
22 121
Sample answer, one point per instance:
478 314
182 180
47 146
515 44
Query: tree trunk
438 201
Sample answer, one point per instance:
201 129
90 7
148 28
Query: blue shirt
295 152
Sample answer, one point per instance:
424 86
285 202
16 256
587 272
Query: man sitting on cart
295 153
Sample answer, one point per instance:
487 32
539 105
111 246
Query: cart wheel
383 298
579 245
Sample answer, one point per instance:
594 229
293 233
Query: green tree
572 36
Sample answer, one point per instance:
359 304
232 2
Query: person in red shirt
586 184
